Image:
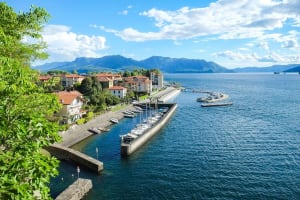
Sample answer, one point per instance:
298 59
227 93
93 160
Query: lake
250 150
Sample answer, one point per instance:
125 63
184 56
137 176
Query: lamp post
97 152
78 171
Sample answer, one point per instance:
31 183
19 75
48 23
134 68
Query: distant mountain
273 68
120 63
49 66
182 65
295 69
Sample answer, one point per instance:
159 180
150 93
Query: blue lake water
250 150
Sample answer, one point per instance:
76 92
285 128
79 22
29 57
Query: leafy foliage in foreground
24 109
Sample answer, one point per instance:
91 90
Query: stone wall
77 190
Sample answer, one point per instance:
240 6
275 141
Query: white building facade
118 91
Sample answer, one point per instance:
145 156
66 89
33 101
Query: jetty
77 190
213 97
68 154
132 141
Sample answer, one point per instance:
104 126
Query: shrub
80 121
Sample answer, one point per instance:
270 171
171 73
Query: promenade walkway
78 133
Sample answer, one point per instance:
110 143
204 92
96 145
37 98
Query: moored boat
94 130
114 120
216 104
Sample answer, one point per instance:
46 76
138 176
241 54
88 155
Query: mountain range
117 63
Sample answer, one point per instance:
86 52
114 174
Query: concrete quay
77 190
170 93
65 153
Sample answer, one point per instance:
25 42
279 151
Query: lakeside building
138 84
118 91
105 82
72 104
157 80
45 78
69 80
113 79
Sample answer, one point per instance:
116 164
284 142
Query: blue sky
232 33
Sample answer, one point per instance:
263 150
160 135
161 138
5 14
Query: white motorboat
114 120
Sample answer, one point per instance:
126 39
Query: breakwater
129 148
168 94
77 190
65 153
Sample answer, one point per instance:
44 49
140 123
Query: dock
77 190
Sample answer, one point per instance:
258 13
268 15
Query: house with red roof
72 106
139 84
44 78
70 80
118 91
108 80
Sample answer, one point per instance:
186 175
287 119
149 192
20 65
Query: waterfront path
77 133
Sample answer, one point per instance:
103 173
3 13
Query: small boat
104 129
94 130
128 112
114 120
129 115
216 104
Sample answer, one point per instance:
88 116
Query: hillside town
124 89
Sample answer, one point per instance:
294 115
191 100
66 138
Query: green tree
86 86
25 109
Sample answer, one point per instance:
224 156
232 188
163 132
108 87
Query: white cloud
229 19
291 43
126 11
271 58
236 56
264 45
64 45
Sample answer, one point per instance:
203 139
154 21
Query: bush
80 121
90 115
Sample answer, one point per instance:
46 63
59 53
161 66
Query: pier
129 148
65 153
77 190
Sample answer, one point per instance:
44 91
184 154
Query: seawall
81 159
76 191
128 149
169 95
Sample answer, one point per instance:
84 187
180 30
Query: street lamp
97 152
78 171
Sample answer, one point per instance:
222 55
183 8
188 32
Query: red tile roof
45 78
103 79
116 88
72 76
108 75
67 98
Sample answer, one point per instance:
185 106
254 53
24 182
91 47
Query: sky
232 33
